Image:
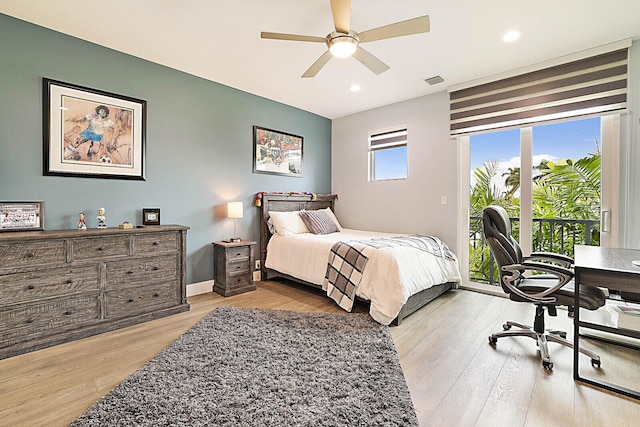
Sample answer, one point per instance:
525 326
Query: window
388 155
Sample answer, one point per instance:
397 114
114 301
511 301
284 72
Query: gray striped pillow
318 222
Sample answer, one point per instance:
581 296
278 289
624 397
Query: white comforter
391 276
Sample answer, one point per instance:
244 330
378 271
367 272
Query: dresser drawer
238 267
97 248
154 243
32 254
239 254
141 299
28 321
127 273
23 287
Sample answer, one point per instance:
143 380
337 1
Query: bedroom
216 167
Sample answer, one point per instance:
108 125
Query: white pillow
287 223
332 215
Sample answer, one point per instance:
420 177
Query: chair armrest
515 271
554 269
563 260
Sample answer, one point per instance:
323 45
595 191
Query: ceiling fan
344 41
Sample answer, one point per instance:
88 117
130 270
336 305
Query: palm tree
512 182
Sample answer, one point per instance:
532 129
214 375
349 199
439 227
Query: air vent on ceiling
434 80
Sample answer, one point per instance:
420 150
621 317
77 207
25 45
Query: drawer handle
29 320
239 254
155 268
156 243
101 248
67 313
31 254
238 267
130 272
156 295
31 287
69 281
130 300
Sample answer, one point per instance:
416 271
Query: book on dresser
61 285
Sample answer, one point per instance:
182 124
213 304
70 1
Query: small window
388 155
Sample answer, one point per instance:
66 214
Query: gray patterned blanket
347 261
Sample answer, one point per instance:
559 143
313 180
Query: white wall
413 205
403 206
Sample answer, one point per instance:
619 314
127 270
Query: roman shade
395 138
594 85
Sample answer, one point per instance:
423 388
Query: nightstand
233 267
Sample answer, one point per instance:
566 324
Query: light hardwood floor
455 377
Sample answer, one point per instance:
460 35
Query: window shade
394 138
588 86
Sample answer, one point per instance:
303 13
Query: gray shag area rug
254 367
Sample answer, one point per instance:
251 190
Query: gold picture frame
150 216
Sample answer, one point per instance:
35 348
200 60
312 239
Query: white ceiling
220 41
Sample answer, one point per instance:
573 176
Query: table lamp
235 211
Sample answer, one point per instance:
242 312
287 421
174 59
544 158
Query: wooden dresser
58 286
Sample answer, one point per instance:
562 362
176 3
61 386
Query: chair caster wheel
506 327
492 340
595 363
548 366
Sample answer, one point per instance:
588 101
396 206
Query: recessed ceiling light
354 88
511 35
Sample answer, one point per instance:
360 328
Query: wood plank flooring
454 376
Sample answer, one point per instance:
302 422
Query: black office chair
555 287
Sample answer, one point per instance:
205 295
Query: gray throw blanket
347 261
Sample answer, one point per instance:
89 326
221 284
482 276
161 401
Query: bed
396 281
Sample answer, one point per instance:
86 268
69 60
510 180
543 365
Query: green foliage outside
566 208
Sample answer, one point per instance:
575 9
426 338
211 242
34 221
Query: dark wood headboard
287 203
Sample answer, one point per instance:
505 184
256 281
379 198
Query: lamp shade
234 210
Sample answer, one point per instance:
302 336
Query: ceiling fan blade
341 10
370 61
317 66
403 28
294 37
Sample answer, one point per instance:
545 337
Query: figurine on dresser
102 220
81 224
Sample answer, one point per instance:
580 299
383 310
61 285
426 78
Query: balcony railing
549 235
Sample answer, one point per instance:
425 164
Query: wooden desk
610 268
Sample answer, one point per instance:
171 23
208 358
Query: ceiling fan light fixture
342 45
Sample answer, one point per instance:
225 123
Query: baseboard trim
199 288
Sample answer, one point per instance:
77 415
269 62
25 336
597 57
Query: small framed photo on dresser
21 216
150 216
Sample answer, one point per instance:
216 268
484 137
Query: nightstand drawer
238 267
239 254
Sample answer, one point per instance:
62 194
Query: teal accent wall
198 146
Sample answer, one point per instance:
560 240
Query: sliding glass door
548 178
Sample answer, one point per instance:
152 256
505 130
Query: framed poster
277 152
21 216
91 133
